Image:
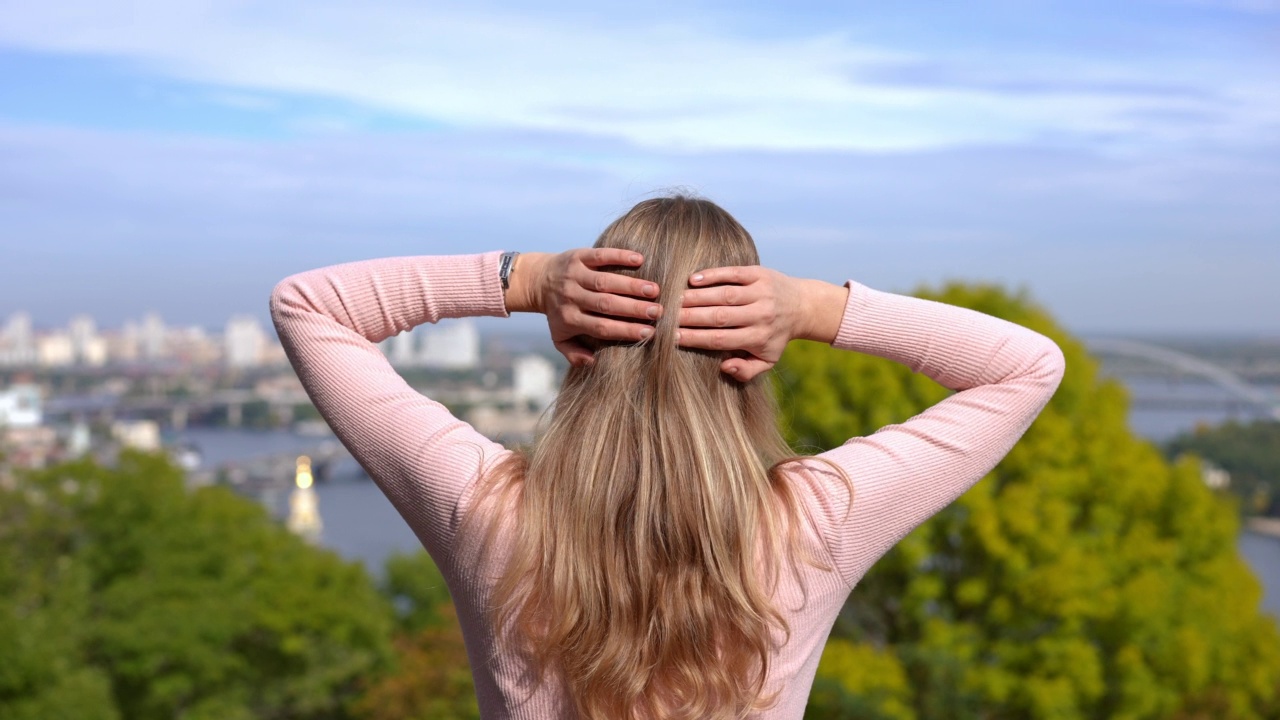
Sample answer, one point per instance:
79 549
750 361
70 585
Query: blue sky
1120 160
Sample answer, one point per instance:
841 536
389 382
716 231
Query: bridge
1241 395
172 411
269 475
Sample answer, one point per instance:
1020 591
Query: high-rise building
152 343
87 346
17 341
244 342
534 380
400 349
453 346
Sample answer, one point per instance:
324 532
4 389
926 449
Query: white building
152 343
55 350
244 342
400 349
87 346
453 346
20 406
137 434
534 380
17 341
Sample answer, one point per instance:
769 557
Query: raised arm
329 320
904 473
421 456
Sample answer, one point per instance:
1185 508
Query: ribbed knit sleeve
329 320
905 473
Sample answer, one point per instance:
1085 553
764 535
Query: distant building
20 406
87 346
534 380
17 341
152 343
401 349
137 434
453 346
244 342
55 350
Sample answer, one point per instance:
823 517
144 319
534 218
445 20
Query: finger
721 339
720 316
616 305
607 282
745 369
722 295
603 328
600 257
576 353
735 275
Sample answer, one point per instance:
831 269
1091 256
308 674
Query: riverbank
1264 526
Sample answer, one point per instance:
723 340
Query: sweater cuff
465 285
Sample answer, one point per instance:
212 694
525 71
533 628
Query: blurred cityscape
84 390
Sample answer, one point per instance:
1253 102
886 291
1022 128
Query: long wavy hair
652 519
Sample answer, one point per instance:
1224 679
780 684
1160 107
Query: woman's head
651 513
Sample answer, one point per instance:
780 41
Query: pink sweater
427 461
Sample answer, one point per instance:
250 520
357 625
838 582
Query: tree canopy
1084 577
124 595
1250 452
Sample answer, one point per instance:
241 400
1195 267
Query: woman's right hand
757 311
580 298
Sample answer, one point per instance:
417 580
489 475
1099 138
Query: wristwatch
505 264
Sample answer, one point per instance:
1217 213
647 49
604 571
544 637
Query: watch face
504 268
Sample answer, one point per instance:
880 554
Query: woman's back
647 554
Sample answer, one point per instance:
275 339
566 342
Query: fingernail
650 290
637 259
646 332
697 278
652 311
677 336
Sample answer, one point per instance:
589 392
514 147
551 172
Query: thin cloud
674 86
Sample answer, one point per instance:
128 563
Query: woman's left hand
580 299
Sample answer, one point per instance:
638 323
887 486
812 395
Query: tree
432 680
124 595
1249 452
1085 577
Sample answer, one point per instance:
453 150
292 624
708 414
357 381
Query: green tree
432 680
1250 452
1085 577
124 595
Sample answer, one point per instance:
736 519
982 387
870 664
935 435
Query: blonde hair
651 511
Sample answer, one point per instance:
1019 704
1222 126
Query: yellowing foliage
1085 577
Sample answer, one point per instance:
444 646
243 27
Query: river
361 524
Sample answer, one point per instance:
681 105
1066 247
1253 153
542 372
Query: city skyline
1119 161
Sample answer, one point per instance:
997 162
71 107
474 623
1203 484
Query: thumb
744 369
575 353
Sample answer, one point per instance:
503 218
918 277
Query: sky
1118 160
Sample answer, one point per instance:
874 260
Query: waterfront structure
137 434
304 507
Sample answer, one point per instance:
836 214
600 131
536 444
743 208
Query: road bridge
1250 396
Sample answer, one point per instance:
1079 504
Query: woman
658 553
